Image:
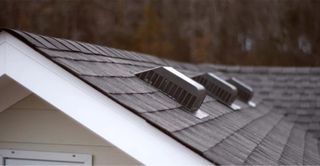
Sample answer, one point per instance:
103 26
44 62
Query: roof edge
38 84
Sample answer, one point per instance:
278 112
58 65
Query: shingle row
236 148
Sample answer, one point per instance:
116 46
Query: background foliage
244 32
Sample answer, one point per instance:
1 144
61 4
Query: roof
284 128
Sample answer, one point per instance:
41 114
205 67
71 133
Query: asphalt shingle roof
283 129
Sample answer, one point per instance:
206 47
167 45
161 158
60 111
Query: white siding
32 124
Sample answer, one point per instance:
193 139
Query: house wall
32 124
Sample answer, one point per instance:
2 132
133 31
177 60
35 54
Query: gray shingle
78 46
238 146
206 135
42 40
68 45
30 39
172 120
57 44
294 149
147 102
311 153
114 85
98 69
91 48
269 151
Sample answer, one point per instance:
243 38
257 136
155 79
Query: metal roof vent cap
245 92
219 89
177 86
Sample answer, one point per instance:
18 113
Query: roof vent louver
219 89
177 86
245 92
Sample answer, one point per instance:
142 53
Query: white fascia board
11 92
94 110
3 50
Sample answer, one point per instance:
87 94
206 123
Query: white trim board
3 54
79 159
92 109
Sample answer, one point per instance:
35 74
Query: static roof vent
219 89
181 88
245 92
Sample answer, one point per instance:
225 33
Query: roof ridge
263 69
97 61
29 38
